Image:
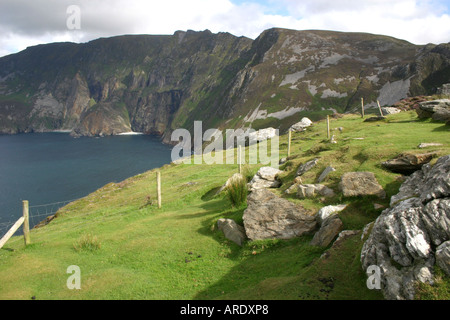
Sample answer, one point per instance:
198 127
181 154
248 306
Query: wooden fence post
26 222
289 142
158 186
362 108
328 127
379 107
11 231
240 158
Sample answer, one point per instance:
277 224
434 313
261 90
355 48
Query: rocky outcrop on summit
409 238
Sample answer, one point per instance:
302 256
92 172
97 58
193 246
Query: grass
127 248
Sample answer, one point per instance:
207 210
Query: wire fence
37 214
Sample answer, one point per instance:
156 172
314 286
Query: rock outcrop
314 190
302 125
329 230
438 110
327 211
266 177
408 163
361 184
408 238
232 231
261 135
305 167
325 173
270 217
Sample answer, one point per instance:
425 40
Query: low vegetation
127 248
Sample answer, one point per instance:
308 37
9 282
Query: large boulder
438 110
361 184
408 163
232 231
266 177
270 217
408 238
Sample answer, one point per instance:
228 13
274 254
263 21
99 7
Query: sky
26 23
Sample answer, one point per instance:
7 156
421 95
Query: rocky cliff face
155 84
410 237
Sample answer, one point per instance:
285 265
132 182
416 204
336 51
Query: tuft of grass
87 242
237 192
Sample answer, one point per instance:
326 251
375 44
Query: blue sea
52 168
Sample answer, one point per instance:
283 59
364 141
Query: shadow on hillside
278 269
443 128
293 270
214 210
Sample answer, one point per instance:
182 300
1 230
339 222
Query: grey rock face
232 230
443 257
407 233
360 184
270 217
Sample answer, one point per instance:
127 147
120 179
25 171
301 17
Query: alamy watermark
262 149
374 278
74 281
73 21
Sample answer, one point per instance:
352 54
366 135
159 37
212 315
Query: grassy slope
177 252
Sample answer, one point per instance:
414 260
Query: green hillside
127 248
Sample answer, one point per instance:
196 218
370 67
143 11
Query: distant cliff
155 84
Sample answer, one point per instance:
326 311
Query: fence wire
37 213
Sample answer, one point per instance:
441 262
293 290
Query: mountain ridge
157 83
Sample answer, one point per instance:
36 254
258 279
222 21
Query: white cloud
24 23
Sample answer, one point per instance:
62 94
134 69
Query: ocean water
47 168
